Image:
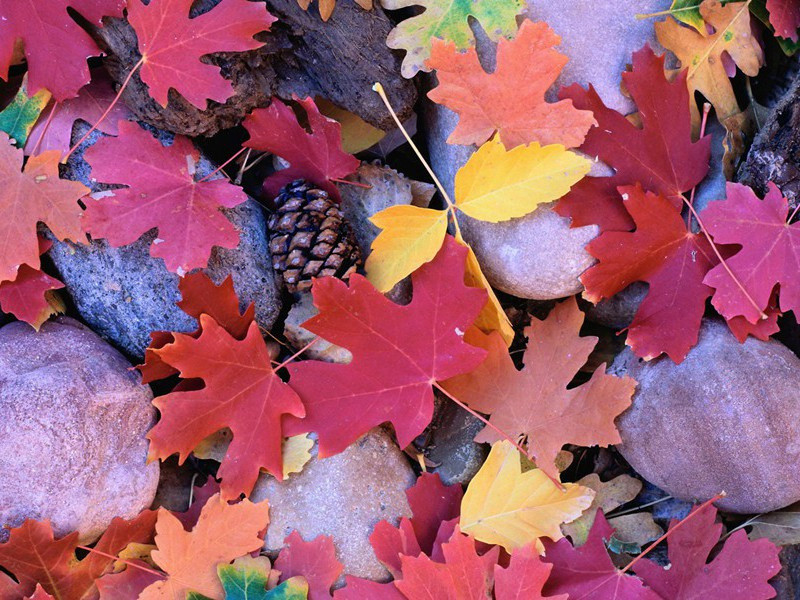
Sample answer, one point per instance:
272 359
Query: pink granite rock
73 419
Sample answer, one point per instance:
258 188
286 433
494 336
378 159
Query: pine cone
309 237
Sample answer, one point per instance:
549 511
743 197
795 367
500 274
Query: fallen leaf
18 117
492 317
511 99
357 134
524 577
448 21
740 571
463 575
394 363
535 403
360 589
190 558
769 254
90 104
162 192
498 184
33 195
608 496
505 506
315 561
29 297
56 47
784 16
34 556
241 391
40 594
326 6
247 579
700 53
660 155
781 527
672 260
315 156
588 573
172 44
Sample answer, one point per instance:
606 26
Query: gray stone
726 419
537 256
124 293
618 311
449 443
72 432
343 496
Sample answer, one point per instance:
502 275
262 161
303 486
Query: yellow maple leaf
190 558
505 506
498 184
701 53
410 236
296 453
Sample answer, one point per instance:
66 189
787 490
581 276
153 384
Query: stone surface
726 419
124 293
343 496
72 432
618 311
448 443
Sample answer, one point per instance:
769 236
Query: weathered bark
775 153
339 59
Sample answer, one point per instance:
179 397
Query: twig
222 166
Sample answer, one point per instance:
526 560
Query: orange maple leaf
223 533
535 401
31 196
510 100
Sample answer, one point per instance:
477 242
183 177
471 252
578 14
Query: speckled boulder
343 496
726 419
73 419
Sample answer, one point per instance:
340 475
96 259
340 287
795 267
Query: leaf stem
127 562
366 186
671 530
634 509
762 314
483 420
794 212
298 353
45 128
451 207
107 111
222 166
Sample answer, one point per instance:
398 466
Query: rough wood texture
339 59
775 153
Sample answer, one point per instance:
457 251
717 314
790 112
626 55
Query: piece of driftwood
339 59
775 153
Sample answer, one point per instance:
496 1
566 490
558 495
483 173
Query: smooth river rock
343 496
726 419
72 432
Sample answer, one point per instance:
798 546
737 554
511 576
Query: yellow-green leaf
505 506
18 118
498 184
410 237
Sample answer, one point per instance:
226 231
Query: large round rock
73 419
726 419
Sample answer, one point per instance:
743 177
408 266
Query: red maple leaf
660 155
40 594
26 296
431 503
56 47
535 403
671 259
199 296
360 589
524 577
316 156
315 560
34 556
172 44
89 106
462 576
587 572
128 583
740 571
510 100
241 392
29 197
784 16
769 254
162 193
398 352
